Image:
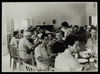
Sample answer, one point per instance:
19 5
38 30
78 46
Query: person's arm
41 59
30 46
34 46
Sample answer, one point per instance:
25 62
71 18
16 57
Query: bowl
84 54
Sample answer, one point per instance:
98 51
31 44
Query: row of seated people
47 48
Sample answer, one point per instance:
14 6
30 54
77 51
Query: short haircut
65 24
22 31
15 33
76 26
43 36
70 40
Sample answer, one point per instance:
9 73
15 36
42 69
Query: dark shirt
58 47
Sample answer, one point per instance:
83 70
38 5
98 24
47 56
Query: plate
82 60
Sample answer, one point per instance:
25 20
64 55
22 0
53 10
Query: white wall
73 13
91 10
4 31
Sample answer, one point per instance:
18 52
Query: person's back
66 62
14 41
25 46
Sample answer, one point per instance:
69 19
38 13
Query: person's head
72 43
22 31
93 32
50 36
59 35
76 27
16 34
36 32
65 25
45 39
27 35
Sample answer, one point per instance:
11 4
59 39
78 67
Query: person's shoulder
59 56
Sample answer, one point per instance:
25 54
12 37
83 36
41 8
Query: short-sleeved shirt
24 46
40 51
66 62
14 41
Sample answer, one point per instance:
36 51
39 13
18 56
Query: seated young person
59 45
41 54
14 40
91 44
66 61
25 46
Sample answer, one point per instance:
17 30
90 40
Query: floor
6 64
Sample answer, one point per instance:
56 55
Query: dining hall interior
49 37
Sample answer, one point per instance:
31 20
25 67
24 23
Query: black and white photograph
49 36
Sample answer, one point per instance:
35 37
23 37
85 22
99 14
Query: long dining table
91 60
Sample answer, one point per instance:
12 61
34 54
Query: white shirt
24 45
66 32
14 41
40 51
66 62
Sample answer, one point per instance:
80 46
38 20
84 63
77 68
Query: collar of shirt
67 52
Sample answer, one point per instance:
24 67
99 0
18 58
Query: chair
29 68
16 58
